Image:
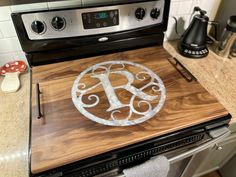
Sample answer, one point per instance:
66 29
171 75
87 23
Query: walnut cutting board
64 135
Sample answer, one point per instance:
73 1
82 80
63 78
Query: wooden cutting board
64 135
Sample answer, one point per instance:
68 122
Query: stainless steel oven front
182 148
57 35
183 159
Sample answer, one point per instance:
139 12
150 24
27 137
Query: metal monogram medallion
118 93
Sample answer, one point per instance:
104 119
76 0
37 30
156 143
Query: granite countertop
14 130
216 74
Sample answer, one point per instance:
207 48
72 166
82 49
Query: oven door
183 160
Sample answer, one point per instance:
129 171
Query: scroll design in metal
101 73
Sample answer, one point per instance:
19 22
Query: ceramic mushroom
11 71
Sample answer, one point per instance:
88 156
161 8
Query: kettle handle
216 26
203 12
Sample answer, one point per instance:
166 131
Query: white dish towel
155 167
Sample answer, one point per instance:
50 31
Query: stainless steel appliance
50 36
58 35
227 40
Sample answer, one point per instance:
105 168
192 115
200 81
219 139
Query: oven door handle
221 133
217 135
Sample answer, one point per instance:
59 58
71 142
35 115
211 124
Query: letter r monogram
110 90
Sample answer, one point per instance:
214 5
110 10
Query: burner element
125 93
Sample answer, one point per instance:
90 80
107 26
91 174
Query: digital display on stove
101 15
100 19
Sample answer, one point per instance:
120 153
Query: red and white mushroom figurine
11 71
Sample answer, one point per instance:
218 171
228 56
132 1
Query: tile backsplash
182 10
10 48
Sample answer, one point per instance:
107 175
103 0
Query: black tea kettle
193 42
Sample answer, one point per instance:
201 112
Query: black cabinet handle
38 104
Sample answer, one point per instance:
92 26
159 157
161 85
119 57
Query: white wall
182 10
10 48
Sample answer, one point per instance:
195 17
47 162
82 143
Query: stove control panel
92 21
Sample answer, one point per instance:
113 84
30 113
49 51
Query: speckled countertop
214 73
14 130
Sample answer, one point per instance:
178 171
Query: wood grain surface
64 135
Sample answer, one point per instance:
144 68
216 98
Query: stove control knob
58 23
155 13
140 13
38 27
